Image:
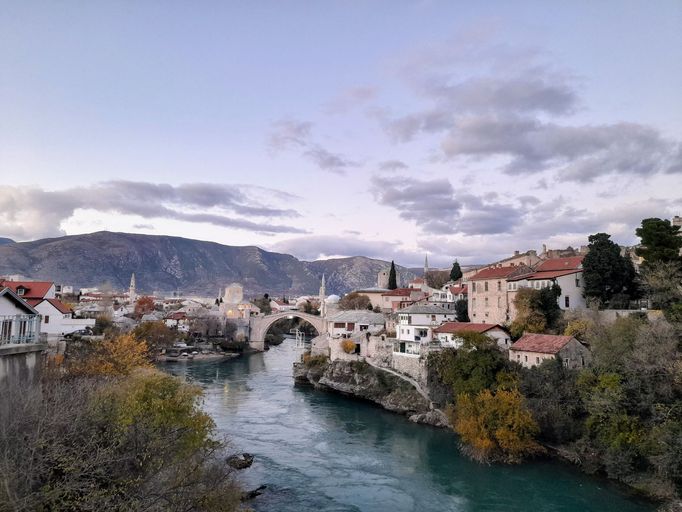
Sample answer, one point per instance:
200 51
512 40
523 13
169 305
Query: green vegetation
105 431
609 277
392 278
660 242
536 310
263 304
455 272
354 300
462 310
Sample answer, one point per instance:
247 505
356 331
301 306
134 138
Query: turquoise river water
319 451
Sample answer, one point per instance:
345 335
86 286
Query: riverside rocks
359 379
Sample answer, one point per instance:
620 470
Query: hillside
171 263
4 241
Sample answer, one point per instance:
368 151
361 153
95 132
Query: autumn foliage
495 426
114 357
348 346
143 306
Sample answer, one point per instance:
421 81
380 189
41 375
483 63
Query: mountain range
168 263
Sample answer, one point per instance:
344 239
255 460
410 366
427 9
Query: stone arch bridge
259 325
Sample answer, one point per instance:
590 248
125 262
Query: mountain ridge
170 263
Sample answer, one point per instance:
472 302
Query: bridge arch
259 325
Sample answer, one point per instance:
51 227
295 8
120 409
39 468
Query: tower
323 296
426 265
132 294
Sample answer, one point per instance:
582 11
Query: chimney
516 253
544 248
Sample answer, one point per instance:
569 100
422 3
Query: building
488 299
533 349
348 323
567 273
416 324
375 295
448 334
57 319
19 322
383 278
400 298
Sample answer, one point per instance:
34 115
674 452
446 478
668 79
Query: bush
348 346
310 361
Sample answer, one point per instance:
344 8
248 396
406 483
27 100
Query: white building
449 334
416 324
19 322
348 323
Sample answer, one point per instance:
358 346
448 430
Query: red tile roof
59 305
455 327
460 288
552 274
34 289
176 315
554 264
542 343
501 272
401 292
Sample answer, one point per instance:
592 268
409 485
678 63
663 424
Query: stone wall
21 362
413 366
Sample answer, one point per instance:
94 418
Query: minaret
323 296
132 295
426 265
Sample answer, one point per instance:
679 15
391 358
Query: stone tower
234 294
382 279
132 293
323 296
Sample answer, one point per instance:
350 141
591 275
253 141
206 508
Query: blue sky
390 129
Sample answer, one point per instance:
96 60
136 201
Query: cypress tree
456 272
392 278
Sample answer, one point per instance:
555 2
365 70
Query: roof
542 343
501 272
552 274
358 316
455 327
9 293
554 264
417 280
374 289
403 292
425 309
176 315
457 289
34 289
58 304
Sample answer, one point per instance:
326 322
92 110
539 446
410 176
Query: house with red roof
400 298
488 299
533 349
19 322
449 333
57 319
567 273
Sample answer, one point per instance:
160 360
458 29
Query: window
567 301
20 291
473 303
577 282
47 319
499 301
486 286
537 360
337 325
518 357
486 302
566 362
473 287
499 286
525 358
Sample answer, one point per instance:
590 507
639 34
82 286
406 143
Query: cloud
350 99
30 212
392 165
292 134
436 208
488 101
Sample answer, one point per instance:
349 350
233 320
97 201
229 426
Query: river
318 451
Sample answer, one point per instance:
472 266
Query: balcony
19 329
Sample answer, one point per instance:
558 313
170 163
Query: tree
392 278
143 306
156 335
663 283
112 358
462 310
354 300
495 425
536 310
605 272
660 242
263 304
456 272
437 278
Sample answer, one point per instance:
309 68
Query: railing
19 329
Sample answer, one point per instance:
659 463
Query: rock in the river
242 461
434 417
249 495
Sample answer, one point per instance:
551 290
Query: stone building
533 349
489 302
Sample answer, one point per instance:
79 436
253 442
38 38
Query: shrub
348 346
310 361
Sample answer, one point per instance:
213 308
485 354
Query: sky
389 129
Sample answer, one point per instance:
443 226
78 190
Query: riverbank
360 380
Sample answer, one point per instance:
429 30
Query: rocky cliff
361 380
169 263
